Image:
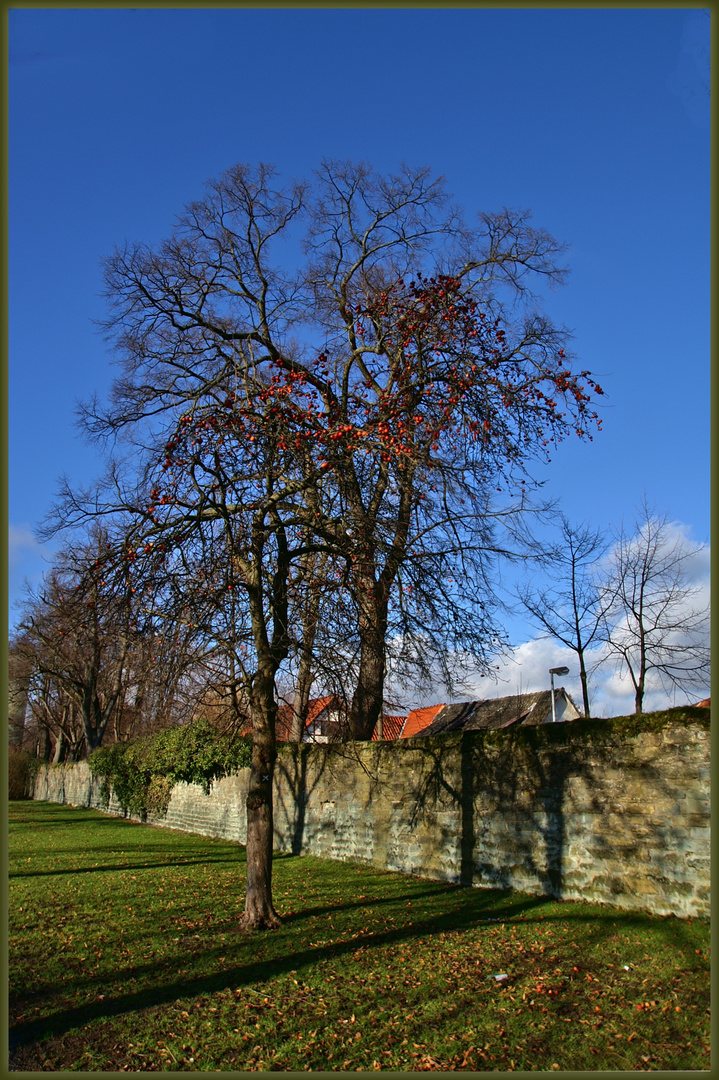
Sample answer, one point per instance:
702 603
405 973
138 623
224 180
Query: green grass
125 955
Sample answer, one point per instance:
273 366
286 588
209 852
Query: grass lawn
124 955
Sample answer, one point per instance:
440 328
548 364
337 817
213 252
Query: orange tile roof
314 708
318 705
419 719
391 727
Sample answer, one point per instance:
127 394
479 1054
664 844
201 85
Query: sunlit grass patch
125 955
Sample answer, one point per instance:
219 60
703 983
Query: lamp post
552 672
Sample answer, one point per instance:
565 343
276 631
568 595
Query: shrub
142 773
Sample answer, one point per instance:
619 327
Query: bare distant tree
75 634
652 622
572 607
97 666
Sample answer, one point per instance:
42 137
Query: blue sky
597 120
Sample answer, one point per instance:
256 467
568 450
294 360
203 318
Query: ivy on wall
141 773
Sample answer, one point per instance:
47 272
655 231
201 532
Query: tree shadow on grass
473 908
121 868
257 971
59 814
328 909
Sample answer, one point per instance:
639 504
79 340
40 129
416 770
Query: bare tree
76 633
571 607
652 623
354 408
434 385
99 669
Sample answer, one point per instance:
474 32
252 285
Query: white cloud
28 559
525 668
21 541
611 693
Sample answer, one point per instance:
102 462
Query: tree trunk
59 746
44 745
305 674
19 671
642 672
373 600
259 911
584 680
301 701
313 570
368 697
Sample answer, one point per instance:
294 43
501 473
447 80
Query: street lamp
556 671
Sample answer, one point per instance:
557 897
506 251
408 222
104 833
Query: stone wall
589 810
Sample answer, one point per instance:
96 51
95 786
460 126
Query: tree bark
368 697
305 672
584 679
373 601
259 911
19 671
59 747
44 745
301 701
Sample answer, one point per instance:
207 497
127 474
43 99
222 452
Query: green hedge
142 773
